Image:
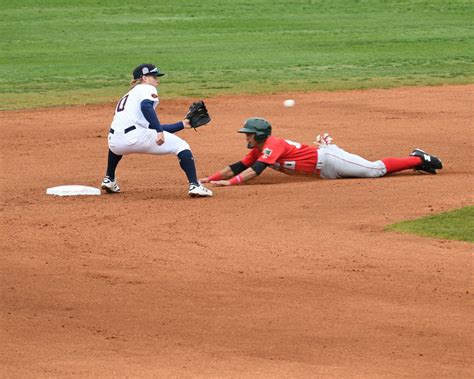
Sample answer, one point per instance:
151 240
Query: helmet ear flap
264 131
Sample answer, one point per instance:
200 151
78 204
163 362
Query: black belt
129 129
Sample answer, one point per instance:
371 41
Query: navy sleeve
173 128
150 115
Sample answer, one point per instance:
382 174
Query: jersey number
121 103
289 165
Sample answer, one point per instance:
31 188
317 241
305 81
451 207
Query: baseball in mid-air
289 103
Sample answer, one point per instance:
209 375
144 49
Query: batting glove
323 140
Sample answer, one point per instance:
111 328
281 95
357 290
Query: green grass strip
59 52
454 225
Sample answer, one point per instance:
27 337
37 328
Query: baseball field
279 277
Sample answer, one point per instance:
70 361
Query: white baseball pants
336 163
143 141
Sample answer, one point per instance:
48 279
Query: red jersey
285 156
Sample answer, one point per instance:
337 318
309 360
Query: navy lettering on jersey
121 103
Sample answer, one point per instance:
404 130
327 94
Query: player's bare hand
204 180
186 124
220 182
160 139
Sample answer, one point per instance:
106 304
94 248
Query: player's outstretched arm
245 175
225 173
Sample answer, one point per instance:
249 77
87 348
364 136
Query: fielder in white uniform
136 129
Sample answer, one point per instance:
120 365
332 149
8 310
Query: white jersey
125 140
128 111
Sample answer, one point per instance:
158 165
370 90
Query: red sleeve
272 150
251 157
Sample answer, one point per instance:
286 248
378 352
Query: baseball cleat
430 162
110 186
198 190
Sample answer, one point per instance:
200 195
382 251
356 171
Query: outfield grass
58 52
454 225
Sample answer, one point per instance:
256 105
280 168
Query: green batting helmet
258 126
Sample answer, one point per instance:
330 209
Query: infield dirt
280 277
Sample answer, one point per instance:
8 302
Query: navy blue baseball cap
146 69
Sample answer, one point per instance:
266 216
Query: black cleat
430 162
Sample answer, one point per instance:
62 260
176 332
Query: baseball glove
197 114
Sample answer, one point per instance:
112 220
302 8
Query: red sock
399 164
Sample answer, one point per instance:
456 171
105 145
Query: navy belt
129 129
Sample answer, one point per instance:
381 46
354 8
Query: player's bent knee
182 146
